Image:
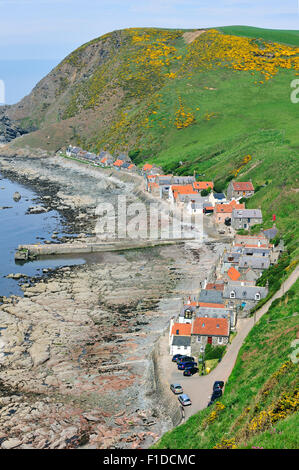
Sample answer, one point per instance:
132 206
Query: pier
27 251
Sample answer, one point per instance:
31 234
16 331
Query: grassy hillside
261 401
187 100
278 35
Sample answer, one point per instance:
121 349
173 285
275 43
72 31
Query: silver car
176 388
184 399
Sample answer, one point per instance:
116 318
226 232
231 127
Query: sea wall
165 397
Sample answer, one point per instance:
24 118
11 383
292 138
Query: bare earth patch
191 36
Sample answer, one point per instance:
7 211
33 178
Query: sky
47 30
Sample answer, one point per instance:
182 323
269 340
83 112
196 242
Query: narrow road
199 388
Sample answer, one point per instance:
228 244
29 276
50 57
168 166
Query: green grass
252 388
276 35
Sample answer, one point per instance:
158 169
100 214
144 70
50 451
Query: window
257 296
220 340
199 339
232 295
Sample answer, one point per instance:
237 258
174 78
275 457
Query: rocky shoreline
75 351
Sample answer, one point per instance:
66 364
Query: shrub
214 352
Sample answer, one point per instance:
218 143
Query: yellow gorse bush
287 404
183 118
226 444
214 48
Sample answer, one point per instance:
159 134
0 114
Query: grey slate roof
187 307
210 296
181 341
254 262
247 214
270 233
219 196
231 257
244 292
212 312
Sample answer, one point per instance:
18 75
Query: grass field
260 404
277 35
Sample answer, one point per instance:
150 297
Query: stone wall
165 397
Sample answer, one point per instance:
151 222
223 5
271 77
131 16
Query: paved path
199 388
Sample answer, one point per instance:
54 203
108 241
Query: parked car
217 393
176 357
190 371
185 359
218 384
186 365
184 399
176 389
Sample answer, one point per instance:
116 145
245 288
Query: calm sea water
17 228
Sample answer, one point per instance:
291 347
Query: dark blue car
186 365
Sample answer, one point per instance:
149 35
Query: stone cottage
205 331
239 189
246 218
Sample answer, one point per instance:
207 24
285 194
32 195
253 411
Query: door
209 339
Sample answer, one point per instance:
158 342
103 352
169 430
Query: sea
17 227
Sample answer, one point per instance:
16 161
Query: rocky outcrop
9 129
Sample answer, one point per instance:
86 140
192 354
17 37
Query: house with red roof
177 189
233 274
118 163
214 331
223 212
239 189
147 167
180 338
201 185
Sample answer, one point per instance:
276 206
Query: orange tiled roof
228 208
205 304
183 189
147 166
181 329
233 273
131 166
252 236
203 185
243 186
210 326
212 286
104 160
118 163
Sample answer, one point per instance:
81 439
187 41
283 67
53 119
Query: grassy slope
252 389
250 118
125 104
278 35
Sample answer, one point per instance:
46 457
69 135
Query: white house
180 338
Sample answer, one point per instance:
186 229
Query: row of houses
103 159
230 293
200 197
